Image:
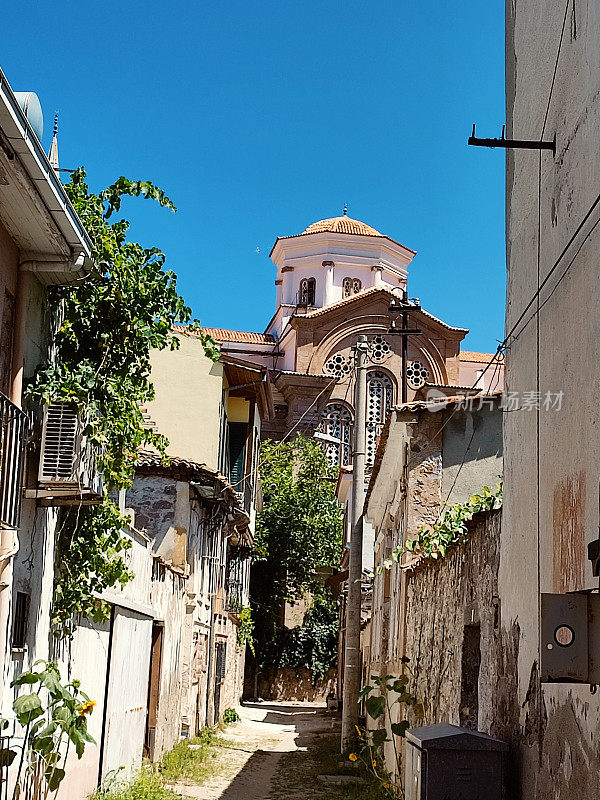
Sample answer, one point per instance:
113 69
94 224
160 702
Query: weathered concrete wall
551 455
296 684
471 451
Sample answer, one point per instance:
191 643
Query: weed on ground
297 776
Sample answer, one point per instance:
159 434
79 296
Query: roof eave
27 148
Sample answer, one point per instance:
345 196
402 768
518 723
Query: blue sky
260 118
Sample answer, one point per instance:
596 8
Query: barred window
351 286
306 296
380 396
336 421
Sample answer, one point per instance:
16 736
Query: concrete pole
352 676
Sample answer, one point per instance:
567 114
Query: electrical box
445 762
570 638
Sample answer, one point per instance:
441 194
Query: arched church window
380 396
307 292
336 421
351 286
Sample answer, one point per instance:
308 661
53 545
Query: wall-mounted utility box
445 762
570 644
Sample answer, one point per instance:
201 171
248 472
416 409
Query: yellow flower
87 707
353 757
374 763
358 730
386 786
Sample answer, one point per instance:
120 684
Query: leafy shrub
230 715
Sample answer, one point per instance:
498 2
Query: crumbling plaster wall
552 456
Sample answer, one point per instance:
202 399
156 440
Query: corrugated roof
224 335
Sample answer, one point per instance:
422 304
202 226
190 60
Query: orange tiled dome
343 224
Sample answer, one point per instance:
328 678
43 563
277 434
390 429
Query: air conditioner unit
67 460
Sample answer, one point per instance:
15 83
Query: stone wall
296 684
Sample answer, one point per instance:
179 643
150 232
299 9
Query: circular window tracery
417 374
380 348
338 365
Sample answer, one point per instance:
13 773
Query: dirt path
269 756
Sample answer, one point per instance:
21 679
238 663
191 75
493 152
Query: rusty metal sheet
564 637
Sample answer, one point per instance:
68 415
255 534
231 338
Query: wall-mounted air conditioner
67 460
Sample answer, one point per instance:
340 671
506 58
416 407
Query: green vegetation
313 644
451 529
230 715
386 692
298 531
147 785
245 628
191 760
104 330
54 717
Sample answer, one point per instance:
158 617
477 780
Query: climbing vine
451 529
105 328
312 645
245 628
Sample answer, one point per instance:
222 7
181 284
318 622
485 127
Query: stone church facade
335 282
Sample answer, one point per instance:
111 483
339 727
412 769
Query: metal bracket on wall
515 144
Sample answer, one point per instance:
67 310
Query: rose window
338 365
417 374
380 348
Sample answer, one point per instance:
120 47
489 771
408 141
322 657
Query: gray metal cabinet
445 762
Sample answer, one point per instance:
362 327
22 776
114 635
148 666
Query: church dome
342 224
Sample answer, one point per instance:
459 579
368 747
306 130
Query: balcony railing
14 427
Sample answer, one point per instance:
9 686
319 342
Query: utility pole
352 652
402 306
352 671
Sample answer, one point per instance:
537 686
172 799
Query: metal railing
14 427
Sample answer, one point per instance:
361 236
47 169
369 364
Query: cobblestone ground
277 752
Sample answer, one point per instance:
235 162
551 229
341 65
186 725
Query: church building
335 282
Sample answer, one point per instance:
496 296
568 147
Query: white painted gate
127 692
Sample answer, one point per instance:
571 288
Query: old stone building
431 455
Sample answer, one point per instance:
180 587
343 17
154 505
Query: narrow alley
280 750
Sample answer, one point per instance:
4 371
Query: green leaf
364 691
378 737
27 707
400 683
54 778
400 728
375 706
26 678
7 757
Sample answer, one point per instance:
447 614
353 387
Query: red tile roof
343 224
223 335
367 293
